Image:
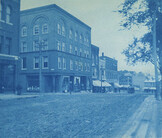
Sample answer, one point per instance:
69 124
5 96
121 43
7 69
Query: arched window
76 36
44 29
1 10
70 34
35 30
8 14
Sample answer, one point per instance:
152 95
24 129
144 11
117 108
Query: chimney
102 54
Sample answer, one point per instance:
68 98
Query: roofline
95 46
50 7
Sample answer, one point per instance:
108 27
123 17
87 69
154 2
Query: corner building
9 44
65 45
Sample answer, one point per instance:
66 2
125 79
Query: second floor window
64 63
35 45
76 36
59 63
23 63
36 62
76 65
24 31
59 45
45 44
63 47
8 14
45 62
76 51
71 49
63 30
45 29
23 47
36 30
71 65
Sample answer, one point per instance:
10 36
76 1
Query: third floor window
36 30
44 29
24 31
8 14
1 10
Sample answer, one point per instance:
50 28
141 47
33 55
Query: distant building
66 50
9 43
95 62
111 69
150 86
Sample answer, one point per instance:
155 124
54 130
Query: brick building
65 42
95 62
9 43
111 72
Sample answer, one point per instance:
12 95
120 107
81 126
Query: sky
105 24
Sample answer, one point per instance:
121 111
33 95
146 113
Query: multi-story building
110 69
95 62
58 45
9 43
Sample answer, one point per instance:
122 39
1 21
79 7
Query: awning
105 84
98 83
8 57
117 85
149 88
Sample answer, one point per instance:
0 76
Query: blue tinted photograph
80 69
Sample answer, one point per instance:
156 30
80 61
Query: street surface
65 115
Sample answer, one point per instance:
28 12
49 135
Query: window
87 54
36 62
80 52
44 29
71 65
23 63
59 63
63 47
76 51
45 62
76 36
70 34
81 39
23 47
24 31
58 29
64 63
88 67
8 45
63 30
85 66
8 14
35 45
76 65
45 44
81 66
71 50
59 45
36 30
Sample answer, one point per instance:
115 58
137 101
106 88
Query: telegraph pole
155 53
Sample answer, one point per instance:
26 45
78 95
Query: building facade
95 62
9 44
111 69
58 45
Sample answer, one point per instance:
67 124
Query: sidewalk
14 96
146 122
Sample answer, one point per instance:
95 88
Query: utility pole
155 54
41 43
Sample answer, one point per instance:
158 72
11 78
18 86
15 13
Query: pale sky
105 25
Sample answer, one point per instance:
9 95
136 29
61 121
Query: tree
143 13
